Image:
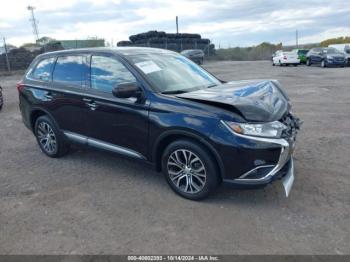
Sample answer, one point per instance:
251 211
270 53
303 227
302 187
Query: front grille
293 125
340 60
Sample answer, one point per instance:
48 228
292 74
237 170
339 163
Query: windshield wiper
210 86
175 92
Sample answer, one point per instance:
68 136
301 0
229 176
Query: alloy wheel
47 137
186 171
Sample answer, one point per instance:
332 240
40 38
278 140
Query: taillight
20 86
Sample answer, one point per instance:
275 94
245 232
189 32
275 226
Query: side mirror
127 90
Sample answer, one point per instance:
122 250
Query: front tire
308 62
323 64
50 139
189 169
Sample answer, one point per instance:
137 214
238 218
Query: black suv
160 107
325 57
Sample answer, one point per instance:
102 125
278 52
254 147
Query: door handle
48 95
87 100
90 103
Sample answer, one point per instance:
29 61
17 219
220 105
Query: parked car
282 58
345 49
196 55
325 56
158 106
301 54
1 98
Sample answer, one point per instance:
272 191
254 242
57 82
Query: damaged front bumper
265 174
282 170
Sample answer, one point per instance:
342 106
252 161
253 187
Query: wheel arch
36 113
170 136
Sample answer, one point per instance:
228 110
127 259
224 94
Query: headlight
270 129
329 57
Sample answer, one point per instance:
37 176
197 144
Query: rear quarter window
43 69
70 70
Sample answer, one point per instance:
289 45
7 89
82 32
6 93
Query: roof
71 44
124 51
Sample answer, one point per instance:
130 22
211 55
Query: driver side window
107 72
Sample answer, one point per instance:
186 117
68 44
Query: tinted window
107 72
70 69
43 69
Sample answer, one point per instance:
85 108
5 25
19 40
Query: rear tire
189 169
50 139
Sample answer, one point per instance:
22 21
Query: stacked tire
171 41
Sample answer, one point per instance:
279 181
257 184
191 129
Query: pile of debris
175 42
20 58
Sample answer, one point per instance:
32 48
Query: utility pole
177 25
296 38
7 58
34 22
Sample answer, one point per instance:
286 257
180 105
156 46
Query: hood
255 100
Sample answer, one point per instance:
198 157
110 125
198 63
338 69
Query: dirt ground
91 202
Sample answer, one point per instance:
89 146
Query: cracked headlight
270 129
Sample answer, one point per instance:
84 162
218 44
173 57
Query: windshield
173 73
331 51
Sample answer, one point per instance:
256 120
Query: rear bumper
290 61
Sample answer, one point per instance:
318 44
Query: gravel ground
93 202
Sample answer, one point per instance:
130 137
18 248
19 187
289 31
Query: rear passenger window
107 72
43 69
70 69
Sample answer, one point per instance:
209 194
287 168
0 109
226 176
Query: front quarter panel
171 115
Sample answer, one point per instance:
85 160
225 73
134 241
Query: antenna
34 22
296 38
177 25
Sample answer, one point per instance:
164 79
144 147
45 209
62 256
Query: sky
227 23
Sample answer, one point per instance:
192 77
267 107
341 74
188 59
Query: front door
115 123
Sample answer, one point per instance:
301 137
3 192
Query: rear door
316 55
69 80
121 122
